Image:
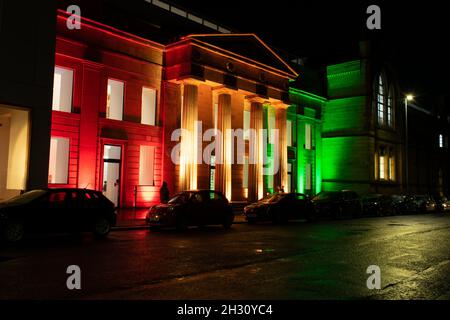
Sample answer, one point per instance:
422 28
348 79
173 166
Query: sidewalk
130 218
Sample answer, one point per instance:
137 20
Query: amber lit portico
208 80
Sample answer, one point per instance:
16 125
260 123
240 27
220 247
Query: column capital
280 105
257 99
222 90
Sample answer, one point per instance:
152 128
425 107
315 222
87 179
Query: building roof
249 46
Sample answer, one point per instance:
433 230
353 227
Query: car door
195 211
302 210
77 212
217 208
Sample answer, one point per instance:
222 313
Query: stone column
188 147
255 178
223 147
281 176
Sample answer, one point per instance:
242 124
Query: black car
56 210
377 205
420 204
442 203
192 208
280 207
336 204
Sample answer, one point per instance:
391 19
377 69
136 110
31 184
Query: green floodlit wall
346 156
346 163
346 114
346 79
310 107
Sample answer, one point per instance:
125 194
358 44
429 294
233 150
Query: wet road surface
322 260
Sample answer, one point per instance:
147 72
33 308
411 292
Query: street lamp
408 97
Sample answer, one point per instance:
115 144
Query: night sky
414 35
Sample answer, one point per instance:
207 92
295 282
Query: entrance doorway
14 149
112 160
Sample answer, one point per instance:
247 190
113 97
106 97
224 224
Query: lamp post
408 97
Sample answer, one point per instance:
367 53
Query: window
148 108
114 100
146 166
289 177
390 110
246 125
58 171
289 133
391 168
62 89
441 141
308 177
308 139
380 101
271 125
382 168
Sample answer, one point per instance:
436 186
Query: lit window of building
391 168
289 133
380 101
62 89
308 137
382 168
146 166
246 125
390 110
114 100
58 172
289 179
148 108
308 182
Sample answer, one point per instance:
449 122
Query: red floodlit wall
96 53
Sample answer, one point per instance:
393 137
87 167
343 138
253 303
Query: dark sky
414 34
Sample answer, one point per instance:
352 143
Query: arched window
381 104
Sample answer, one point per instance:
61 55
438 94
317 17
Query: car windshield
179 198
275 198
26 197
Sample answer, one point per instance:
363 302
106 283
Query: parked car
336 204
373 204
442 203
397 204
420 204
280 207
56 210
192 208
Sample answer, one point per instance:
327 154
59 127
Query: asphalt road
323 260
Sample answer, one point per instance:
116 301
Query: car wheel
101 227
13 231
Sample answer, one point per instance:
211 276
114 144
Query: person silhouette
164 193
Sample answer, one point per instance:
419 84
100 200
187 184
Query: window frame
123 97
155 111
68 160
72 70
